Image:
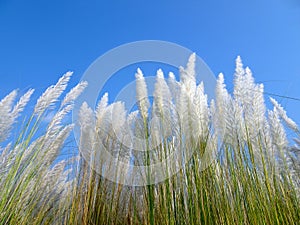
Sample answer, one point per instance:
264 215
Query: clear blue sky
40 40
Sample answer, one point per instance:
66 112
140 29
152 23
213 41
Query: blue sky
40 40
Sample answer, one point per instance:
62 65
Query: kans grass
251 176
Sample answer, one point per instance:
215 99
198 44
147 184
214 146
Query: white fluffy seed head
282 113
74 93
142 94
51 95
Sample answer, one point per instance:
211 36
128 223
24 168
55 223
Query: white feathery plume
132 125
282 113
213 112
50 96
6 120
229 114
19 107
53 145
4 152
239 70
184 112
101 109
247 91
66 107
197 113
54 185
105 125
102 104
74 93
249 96
234 122
222 101
118 116
190 67
257 116
238 78
86 122
112 131
277 130
249 77
7 101
188 75
174 86
142 94
251 99
221 92
279 141
162 96
158 94
6 160
120 129
53 176
55 124
86 116
101 121
132 117
113 127
9 114
201 110
104 118
186 109
160 125
267 142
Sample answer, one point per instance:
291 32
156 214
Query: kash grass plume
51 95
142 94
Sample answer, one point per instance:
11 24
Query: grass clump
251 176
